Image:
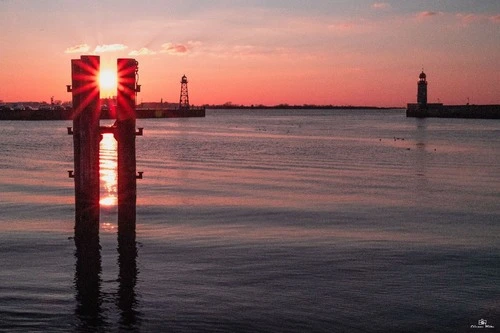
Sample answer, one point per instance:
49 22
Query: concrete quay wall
68 114
453 111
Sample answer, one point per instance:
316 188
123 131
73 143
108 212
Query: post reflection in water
88 284
91 305
90 308
127 298
108 171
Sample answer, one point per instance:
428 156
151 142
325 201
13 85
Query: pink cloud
81 48
174 49
110 48
427 14
141 51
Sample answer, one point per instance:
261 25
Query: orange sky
260 52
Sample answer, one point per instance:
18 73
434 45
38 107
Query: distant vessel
422 109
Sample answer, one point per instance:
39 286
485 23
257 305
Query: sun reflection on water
108 171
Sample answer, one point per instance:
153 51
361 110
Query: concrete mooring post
87 134
125 136
86 137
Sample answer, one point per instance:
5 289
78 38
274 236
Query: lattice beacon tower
184 98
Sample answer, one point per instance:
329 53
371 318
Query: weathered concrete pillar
125 137
86 137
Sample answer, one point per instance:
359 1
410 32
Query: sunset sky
341 52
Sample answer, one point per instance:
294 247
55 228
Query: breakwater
67 114
438 110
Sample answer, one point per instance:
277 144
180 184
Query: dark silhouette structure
184 97
87 134
86 137
423 109
125 134
422 89
88 286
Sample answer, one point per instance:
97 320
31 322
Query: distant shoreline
66 113
302 107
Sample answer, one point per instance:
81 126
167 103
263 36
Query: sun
107 80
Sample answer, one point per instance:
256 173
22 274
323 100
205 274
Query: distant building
158 105
423 109
422 89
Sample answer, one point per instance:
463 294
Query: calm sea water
262 221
